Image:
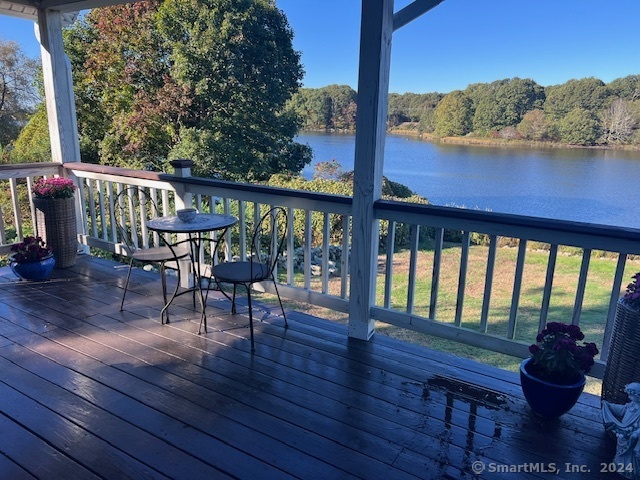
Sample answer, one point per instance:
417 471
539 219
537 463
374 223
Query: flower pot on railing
56 218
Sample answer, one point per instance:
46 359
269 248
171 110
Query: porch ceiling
28 9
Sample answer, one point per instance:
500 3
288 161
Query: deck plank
20 447
80 376
57 387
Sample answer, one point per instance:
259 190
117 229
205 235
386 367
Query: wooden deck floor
87 391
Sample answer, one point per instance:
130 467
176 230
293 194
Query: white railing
17 216
308 213
498 333
484 310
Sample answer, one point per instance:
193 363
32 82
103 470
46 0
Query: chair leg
275 285
233 300
253 348
126 284
163 277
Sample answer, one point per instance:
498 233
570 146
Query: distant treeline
579 112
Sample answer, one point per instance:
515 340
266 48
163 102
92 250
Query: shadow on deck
87 391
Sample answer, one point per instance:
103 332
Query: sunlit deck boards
87 391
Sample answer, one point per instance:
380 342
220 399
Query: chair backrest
269 238
132 207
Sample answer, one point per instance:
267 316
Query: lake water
585 185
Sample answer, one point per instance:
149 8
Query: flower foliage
29 250
632 296
557 356
54 188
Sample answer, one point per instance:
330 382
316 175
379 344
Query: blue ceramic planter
36 271
549 400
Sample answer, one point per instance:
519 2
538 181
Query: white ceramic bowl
187 215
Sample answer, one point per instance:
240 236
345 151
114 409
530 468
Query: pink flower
56 187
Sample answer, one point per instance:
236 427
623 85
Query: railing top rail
117 171
21 170
565 232
286 197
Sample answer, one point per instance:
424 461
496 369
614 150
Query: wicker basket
56 224
623 363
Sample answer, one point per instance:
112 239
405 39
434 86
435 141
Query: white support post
59 98
58 88
373 89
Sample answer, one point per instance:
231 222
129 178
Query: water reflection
475 397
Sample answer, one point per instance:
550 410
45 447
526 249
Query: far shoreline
483 142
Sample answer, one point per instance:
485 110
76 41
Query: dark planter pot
56 224
549 400
36 271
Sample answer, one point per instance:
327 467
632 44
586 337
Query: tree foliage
626 88
205 79
334 107
328 108
509 109
587 93
536 126
579 127
454 115
505 102
18 92
33 143
413 107
329 178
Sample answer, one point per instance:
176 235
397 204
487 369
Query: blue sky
459 42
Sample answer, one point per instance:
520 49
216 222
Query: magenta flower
632 297
557 356
56 187
29 250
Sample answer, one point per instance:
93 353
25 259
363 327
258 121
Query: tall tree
453 115
343 106
204 79
236 56
486 111
579 127
627 88
18 93
326 108
33 143
586 93
505 102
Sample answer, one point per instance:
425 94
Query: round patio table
203 223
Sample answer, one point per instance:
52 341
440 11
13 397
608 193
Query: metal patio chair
267 243
132 208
